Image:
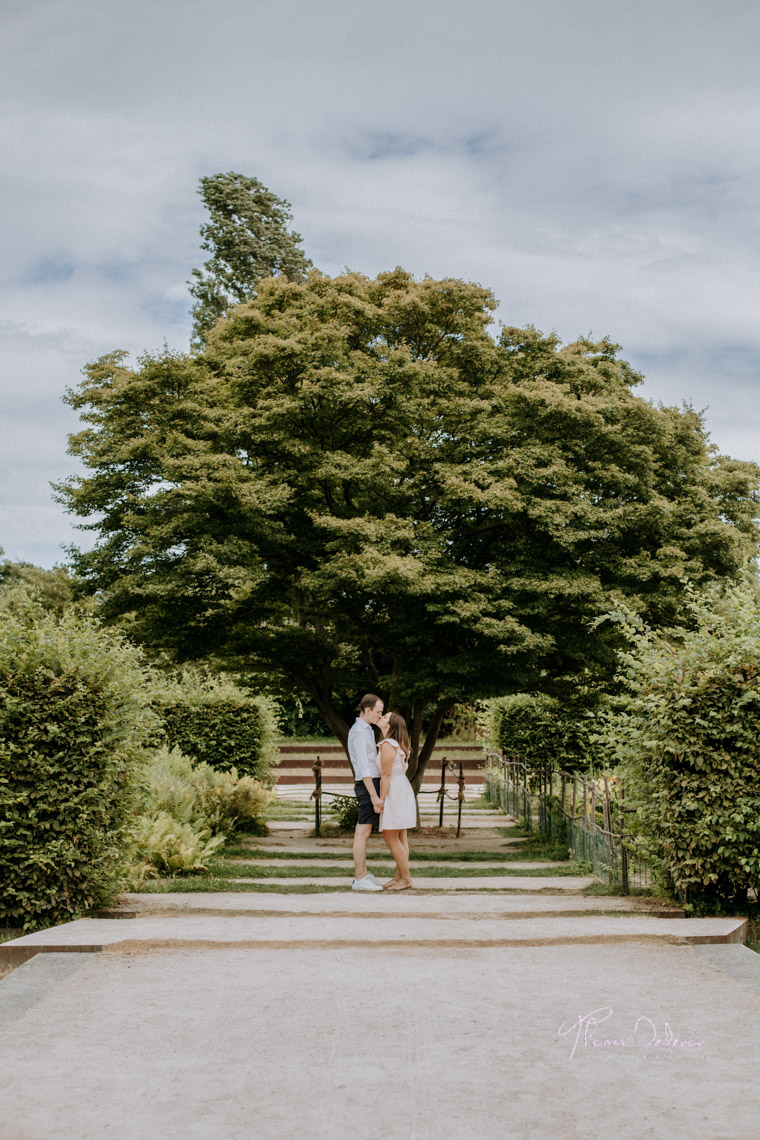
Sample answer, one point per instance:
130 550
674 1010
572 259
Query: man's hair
368 702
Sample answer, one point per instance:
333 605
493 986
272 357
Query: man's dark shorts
367 813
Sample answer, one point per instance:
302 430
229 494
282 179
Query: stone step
566 884
346 779
339 764
345 864
263 930
377 905
456 748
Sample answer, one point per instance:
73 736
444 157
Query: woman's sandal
402 886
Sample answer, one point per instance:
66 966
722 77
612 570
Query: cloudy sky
594 162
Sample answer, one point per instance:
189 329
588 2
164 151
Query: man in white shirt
362 752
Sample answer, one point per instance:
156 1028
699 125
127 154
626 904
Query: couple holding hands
385 796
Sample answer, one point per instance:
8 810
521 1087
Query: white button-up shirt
362 750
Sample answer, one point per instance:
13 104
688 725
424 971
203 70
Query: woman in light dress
397 797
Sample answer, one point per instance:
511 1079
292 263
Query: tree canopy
354 485
53 589
248 239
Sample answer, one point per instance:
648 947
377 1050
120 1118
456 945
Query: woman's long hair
398 730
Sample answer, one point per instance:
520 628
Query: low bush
164 846
199 794
186 813
345 810
74 720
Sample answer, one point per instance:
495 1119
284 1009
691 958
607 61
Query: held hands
378 805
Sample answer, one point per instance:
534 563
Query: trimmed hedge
74 718
219 724
688 745
539 728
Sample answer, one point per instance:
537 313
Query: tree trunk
413 717
431 736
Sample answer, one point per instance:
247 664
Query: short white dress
400 809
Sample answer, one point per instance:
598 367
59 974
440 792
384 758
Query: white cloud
595 164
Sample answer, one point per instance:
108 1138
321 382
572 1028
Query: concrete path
330 929
476 1007
428 1042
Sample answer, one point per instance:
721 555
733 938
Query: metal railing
587 814
440 793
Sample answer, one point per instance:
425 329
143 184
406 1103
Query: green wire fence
587 814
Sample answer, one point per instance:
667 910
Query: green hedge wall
227 733
539 728
688 747
73 722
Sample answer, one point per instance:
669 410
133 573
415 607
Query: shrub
163 845
200 795
689 747
540 728
186 813
217 722
346 811
74 718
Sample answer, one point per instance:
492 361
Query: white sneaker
365 884
370 876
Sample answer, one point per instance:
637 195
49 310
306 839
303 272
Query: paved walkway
278 1011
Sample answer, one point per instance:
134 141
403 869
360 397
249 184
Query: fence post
461 797
623 857
442 791
317 794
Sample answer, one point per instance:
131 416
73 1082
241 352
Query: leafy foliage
187 812
355 487
345 809
217 722
541 728
52 589
248 240
74 718
198 794
689 746
164 846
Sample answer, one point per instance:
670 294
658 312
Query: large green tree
355 486
248 238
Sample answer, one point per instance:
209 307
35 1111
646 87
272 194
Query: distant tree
248 239
353 487
52 589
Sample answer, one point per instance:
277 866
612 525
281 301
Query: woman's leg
401 859
385 837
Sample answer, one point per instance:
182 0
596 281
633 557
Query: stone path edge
676 931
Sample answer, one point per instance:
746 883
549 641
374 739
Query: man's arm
376 802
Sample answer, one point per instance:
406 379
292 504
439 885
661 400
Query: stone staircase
297 758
